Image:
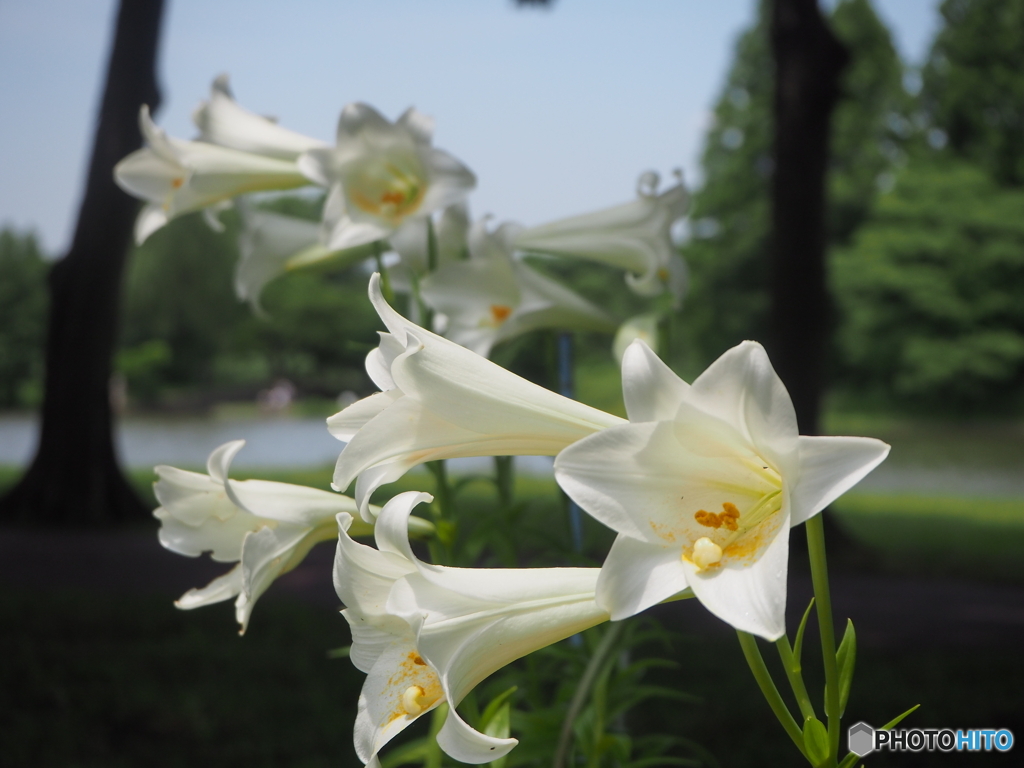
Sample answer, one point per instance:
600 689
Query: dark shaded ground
99 669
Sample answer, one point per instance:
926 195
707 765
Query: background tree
22 319
74 477
729 247
974 84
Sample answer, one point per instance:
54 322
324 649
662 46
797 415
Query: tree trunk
74 478
808 62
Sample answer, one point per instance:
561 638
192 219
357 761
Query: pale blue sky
556 111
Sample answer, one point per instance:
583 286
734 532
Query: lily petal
651 391
830 466
637 574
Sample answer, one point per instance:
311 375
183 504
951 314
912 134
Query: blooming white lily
442 401
427 634
271 244
267 527
635 237
494 297
381 173
221 120
703 485
178 176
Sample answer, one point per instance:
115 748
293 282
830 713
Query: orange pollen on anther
500 312
176 183
395 198
663 275
727 517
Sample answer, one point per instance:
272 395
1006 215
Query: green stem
771 693
444 514
826 628
431 246
504 480
579 698
794 672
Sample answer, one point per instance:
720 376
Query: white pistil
414 700
705 553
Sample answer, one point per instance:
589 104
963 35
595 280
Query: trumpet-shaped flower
266 527
178 176
703 485
493 297
222 121
381 174
271 244
442 401
428 634
635 237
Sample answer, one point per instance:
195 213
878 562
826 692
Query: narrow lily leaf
798 646
409 753
500 726
846 658
897 720
816 741
849 761
492 711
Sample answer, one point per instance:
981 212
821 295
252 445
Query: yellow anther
415 700
705 553
500 313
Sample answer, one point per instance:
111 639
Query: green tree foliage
185 332
23 304
729 250
931 290
974 83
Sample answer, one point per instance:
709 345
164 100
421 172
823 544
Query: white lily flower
703 485
178 177
635 237
222 121
268 528
381 174
494 297
271 244
442 401
427 634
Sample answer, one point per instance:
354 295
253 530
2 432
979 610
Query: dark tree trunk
808 62
74 478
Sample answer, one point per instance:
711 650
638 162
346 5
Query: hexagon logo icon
860 739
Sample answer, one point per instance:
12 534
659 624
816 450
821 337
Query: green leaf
414 751
816 741
849 761
492 709
897 720
846 659
499 725
798 646
339 653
